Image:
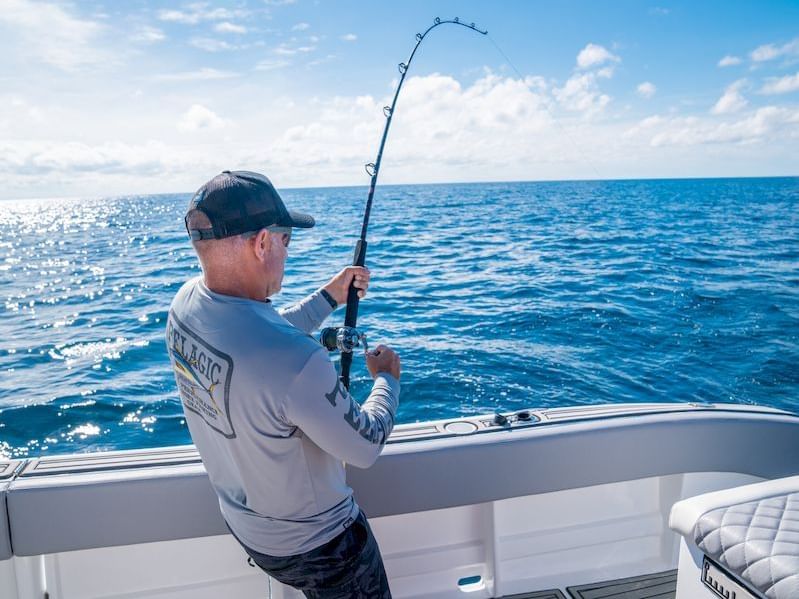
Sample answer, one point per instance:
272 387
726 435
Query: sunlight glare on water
497 296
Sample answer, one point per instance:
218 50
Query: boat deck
662 585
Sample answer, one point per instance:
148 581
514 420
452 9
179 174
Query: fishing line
347 338
555 120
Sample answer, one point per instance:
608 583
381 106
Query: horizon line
366 185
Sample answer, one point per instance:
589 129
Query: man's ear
262 244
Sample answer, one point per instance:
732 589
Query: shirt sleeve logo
203 376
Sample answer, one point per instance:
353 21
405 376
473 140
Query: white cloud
497 128
445 129
772 51
732 100
301 27
228 27
581 93
148 35
198 118
178 17
211 45
20 110
286 50
50 34
729 61
349 37
198 12
764 124
783 85
766 52
54 168
204 74
495 121
318 61
271 65
643 126
279 2
43 158
593 55
605 72
646 89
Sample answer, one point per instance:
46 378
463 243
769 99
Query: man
263 402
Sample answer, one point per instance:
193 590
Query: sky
102 98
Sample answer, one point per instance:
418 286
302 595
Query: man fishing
264 405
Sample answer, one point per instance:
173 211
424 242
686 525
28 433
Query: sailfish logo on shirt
203 374
185 367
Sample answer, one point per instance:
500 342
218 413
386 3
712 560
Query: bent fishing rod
347 338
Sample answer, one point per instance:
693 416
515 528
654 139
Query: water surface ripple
497 296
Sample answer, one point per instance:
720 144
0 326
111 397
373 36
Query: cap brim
300 220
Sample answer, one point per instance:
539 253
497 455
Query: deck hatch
662 585
553 594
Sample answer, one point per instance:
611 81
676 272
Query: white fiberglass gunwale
494 498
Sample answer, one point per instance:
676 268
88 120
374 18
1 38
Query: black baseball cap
238 202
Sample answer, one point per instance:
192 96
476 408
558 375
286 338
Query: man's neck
225 286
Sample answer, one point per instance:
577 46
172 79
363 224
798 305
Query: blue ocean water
497 296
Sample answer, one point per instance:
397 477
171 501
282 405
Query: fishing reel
345 339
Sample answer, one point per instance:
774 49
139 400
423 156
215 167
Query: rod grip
346 362
359 259
351 317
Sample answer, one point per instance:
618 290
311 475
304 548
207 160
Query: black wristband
333 303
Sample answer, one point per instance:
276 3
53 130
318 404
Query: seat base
717 580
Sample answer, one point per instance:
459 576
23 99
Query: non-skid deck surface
538 595
652 586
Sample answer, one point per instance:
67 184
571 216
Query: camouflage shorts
348 567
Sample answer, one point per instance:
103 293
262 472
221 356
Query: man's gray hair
205 248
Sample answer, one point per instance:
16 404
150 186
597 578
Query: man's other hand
339 285
383 359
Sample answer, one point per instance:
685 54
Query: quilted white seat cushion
756 540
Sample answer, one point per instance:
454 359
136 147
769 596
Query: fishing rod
347 338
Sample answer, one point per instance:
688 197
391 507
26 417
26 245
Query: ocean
497 296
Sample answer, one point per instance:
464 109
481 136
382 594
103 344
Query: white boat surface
536 500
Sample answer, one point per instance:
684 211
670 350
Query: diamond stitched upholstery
757 541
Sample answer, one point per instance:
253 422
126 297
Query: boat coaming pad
67 503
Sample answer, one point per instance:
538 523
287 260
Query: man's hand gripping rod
348 332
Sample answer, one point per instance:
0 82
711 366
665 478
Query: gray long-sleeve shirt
271 422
